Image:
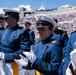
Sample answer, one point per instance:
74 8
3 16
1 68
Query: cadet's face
9 21
27 26
2 23
43 32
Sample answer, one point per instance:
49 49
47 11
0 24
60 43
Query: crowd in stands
66 22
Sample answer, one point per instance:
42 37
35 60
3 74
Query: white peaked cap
45 18
2 13
10 10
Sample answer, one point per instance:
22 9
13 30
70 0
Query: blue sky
35 4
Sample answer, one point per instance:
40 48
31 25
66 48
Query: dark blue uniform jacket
71 45
49 56
32 36
14 41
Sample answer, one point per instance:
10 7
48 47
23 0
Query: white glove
30 56
73 57
2 55
68 71
23 61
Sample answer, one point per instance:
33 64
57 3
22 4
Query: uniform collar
47 40
28 29
14 27
2 28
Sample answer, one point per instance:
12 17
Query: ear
51 31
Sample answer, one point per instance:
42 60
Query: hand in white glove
73 57
23 61
68 71
30 56
2 55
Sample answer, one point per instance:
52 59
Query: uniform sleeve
64 38
32 37
51 65
23 46
66 60
64 41
24 43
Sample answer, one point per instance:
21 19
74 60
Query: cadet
62 35
46 55
2 23
71 46
14 41
27 26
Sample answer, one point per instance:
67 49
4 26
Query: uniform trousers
5 68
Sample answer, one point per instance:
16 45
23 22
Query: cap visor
41 26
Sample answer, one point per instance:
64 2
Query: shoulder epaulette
53 41
37 41
21 28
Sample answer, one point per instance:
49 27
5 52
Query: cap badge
40 17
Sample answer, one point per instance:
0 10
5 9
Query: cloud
65 6
27 7
42 7
20 7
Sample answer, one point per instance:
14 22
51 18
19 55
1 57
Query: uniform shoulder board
21 28
53 41
37 41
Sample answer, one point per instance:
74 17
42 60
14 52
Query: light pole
45 3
